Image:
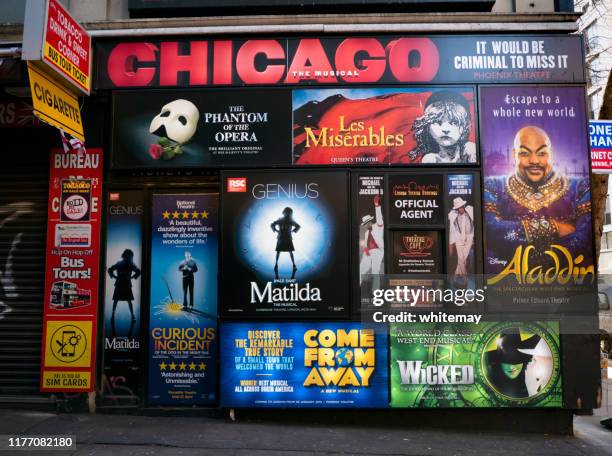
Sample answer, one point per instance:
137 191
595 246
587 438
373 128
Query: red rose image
156 151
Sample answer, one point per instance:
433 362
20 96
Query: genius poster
311 365
384 126
537 202
183 303
490 364
285 244
123 297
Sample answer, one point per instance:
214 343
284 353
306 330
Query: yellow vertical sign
54 104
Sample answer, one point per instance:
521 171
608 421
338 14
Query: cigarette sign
54 105
52 36
600 136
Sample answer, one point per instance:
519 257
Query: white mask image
540 368
178 121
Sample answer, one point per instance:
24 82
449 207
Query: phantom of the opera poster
285 244
384 126
537 202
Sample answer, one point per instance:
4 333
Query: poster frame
476 174
222 314
570 365
289 164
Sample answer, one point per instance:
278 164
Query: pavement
123 435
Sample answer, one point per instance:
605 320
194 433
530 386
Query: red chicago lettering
222 62
310 51
413 59
370 69
171 63
245 62
122 61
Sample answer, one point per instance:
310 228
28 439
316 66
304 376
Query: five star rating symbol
182 366
195 215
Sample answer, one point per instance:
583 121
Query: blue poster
183 305
309 365
122 298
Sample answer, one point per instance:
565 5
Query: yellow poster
72 381
54 104
68 344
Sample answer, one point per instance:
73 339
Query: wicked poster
371 232
368 126
417 252
490 364
285 244
183 299
537 202
416 199
123 298
169 129
311 365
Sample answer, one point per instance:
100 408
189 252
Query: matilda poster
123 297
303 365
417 252
285 245
168 129
384 126
183 303
462 224
416 199
475 365
371 232
537 203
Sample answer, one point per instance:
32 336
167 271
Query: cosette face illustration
178 121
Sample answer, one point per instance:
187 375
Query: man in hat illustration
373 243
461 234
540 369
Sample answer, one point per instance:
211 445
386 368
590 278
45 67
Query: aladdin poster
123 297
285 245
490 364
183 129
183 304
311 365
382 126
537 202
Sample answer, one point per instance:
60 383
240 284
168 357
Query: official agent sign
342 60
71 272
